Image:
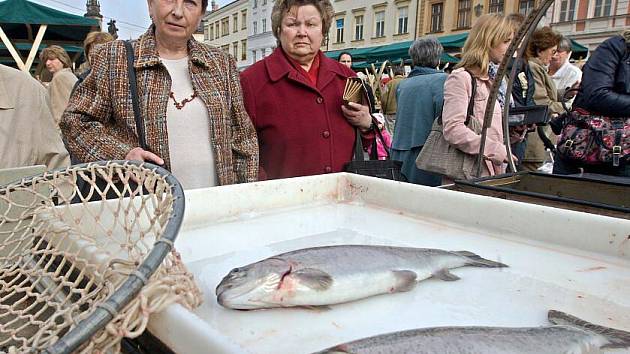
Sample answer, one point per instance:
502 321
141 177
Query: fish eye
235 270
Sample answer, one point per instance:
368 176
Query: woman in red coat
294 97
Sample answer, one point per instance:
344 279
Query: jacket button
319 100
328 169
326 134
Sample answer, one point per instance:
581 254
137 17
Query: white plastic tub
570 261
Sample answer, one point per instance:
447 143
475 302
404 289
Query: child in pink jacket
382 147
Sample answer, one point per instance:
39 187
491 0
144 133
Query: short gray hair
426 52
564 44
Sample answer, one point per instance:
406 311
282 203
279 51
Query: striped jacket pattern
99 124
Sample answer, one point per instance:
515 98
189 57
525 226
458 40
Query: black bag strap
471 101
358 146
133 88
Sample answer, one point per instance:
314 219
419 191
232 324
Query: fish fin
444 274
477 261
616 338
405 280
340 349
313 278
314 308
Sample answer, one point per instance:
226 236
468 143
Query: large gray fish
329 275
569 335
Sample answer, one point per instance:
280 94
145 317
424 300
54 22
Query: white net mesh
62 256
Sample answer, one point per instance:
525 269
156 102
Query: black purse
387 169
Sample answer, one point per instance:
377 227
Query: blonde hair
55 52
94 38
488 32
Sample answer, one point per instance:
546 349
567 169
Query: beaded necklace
180 105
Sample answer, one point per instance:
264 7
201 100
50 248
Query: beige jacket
59 92
545 93
388 98
28 135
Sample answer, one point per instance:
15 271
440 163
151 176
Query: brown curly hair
542 39
282 7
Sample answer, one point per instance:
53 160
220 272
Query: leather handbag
438 156
387 169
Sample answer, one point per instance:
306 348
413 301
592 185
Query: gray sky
131 16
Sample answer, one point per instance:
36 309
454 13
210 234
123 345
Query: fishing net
86 257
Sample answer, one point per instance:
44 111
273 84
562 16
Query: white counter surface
558 259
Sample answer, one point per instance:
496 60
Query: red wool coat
301 128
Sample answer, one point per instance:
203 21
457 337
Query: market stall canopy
25 25
395 52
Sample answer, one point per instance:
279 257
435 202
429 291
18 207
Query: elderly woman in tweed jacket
190 102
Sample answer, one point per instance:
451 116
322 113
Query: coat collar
6 97
278 67
421 70
147 54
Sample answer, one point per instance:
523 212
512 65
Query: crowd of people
285 115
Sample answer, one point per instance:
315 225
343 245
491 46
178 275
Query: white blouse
189 140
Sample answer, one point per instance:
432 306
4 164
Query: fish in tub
567 335
321 276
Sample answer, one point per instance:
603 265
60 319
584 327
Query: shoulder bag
438 156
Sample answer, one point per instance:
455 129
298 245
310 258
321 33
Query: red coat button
319 100
328 169
326 134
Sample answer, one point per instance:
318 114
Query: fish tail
477 261
616 338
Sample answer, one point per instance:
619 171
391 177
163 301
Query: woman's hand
358 115
139 154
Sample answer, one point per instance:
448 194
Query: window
264 25
255 27
496 6
602 8
464 13
244 49
244 20
436 17
358 27
226 48
339 27
567 10
255 4
403 19
211 31
526 6
379 24
225 26
254 56
264 2
263 52
235 50
217 30
234 23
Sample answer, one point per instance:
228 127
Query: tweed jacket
28 133
99 122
